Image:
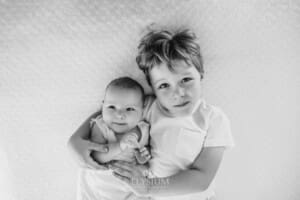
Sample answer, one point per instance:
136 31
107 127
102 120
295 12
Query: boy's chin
181 112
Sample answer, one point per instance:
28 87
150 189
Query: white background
56 56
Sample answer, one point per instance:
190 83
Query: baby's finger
143 149
145 153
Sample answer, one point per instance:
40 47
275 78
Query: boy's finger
98 147
125 179
122 166
94 165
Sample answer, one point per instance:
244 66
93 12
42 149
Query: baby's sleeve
98 121
219 130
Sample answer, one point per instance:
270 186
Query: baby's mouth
120 123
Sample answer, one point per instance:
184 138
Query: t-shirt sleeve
149 99
219 130
144 128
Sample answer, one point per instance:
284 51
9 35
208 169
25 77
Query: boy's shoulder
149 100
206 114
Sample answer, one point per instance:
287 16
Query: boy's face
122 108
176 91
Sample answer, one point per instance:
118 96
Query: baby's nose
120 114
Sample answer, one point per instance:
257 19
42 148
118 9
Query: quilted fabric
56 56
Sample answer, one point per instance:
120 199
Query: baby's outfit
101 184
177 141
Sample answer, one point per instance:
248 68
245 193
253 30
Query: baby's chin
121 130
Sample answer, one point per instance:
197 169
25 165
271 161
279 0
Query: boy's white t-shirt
176 142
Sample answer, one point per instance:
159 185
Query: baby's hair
164 46
126 83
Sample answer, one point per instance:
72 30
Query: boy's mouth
182 104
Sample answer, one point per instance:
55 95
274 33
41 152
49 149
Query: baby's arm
113 148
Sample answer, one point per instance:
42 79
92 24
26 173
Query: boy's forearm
185 182
83 131
113 150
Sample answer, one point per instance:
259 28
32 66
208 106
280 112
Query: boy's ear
102 102
201 77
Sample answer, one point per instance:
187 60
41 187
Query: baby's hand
129 141
142 155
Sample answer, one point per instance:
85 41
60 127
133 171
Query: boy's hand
82 149
133 175
142 155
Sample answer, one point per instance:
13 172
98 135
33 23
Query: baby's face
177 91
122 108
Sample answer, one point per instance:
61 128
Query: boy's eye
130 109
187 79
162 86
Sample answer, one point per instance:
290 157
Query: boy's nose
178 92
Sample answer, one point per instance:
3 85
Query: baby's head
123 104
172 64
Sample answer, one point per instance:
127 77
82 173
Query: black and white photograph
149 99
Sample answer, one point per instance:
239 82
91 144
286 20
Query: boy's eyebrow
159 80
184 74
187 73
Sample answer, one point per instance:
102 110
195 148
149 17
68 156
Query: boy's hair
126 83
164 46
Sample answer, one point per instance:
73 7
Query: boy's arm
195 179
81 147
113 148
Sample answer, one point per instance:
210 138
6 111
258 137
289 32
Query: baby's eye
186 79
130 109
111 107
162 86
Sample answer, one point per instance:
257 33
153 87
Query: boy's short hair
164 46
126 83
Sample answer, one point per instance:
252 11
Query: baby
120 126
121 129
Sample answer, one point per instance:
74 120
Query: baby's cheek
107 117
